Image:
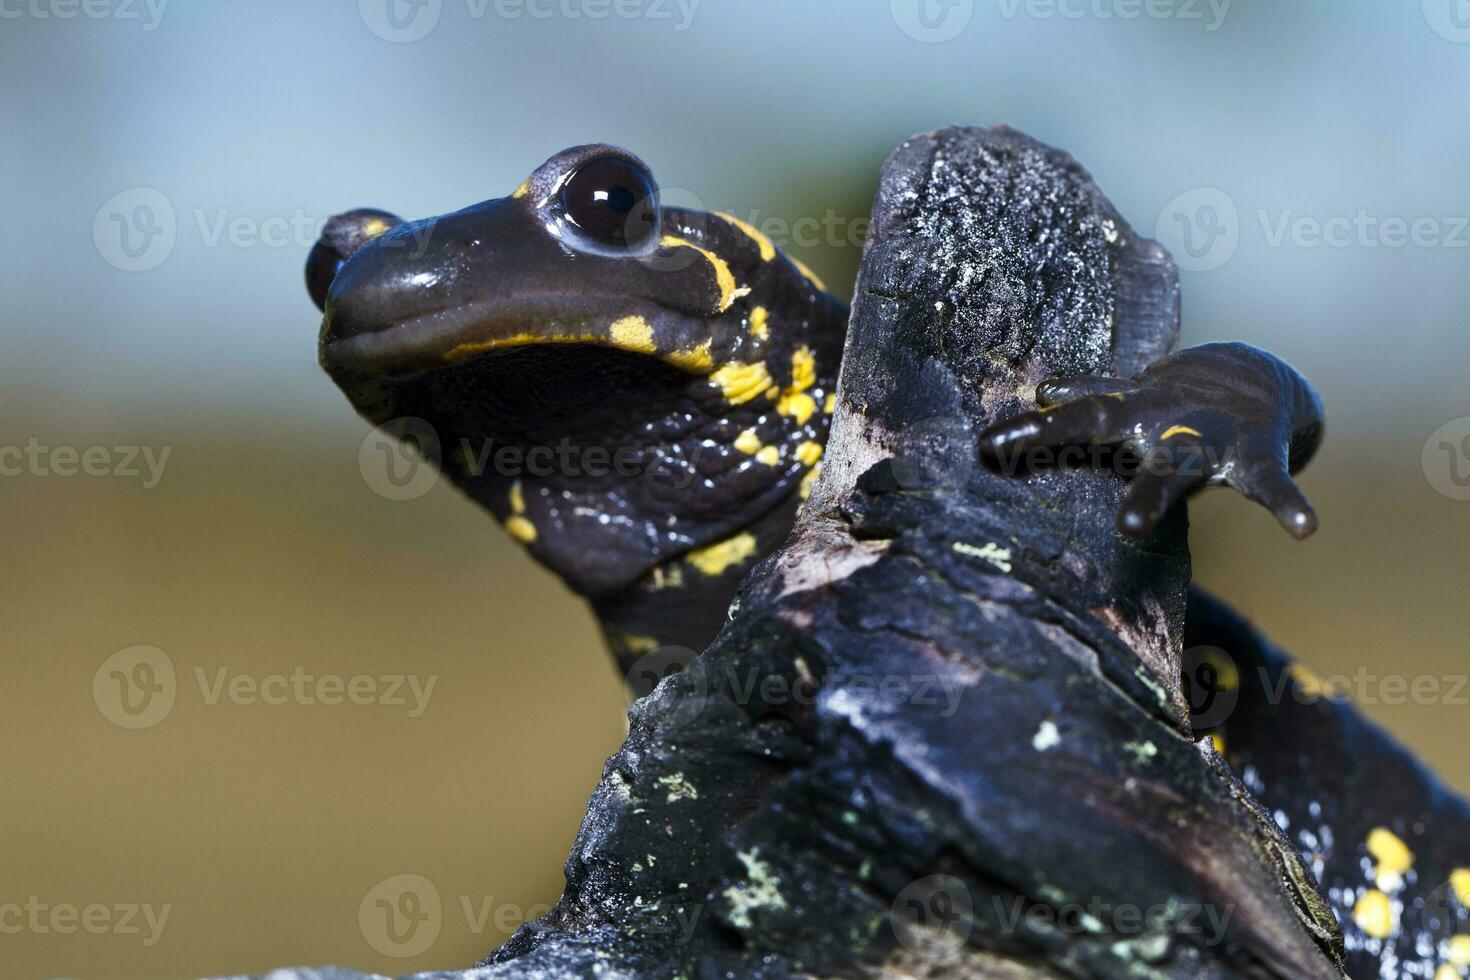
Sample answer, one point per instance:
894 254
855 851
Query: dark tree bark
943 733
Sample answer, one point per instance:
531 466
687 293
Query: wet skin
640 395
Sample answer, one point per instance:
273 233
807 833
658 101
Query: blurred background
179 476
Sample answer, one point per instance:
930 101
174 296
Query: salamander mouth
437 340
531 395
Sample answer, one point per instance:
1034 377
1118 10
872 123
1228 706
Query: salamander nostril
341 236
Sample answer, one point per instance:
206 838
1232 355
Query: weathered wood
943 732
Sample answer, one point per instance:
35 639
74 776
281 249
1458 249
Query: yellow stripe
768 251
724 278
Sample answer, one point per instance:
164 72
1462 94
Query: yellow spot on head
758 322
1219 742
632 333
1460 885
798 405
716 558
517 498
374 227
520 528
724 278
801 267
1179 430
1374 914
769 455
742 382
522 190
808 452
768 251
1393 857
748 442
697 359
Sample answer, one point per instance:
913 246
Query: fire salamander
640 394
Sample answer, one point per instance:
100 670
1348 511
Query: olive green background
264 549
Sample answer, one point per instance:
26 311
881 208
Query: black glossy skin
675 389
497 324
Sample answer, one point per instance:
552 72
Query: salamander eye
613 202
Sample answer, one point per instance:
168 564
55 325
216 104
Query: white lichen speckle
760 890
679 788
1046 736
991 552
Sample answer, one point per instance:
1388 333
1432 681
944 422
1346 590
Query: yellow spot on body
799 406
794 402
816 280
1374 914
517 525
1447 972
768 251
634 642
742 382
697 359
759 319
1393 856
520 528
830 404
769 455
522 190
1307 682
724 278
1459 952
1179 430
809 452
803 368
632 333
808 481
716 558
1460 885
374 227
1219 742
748 442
